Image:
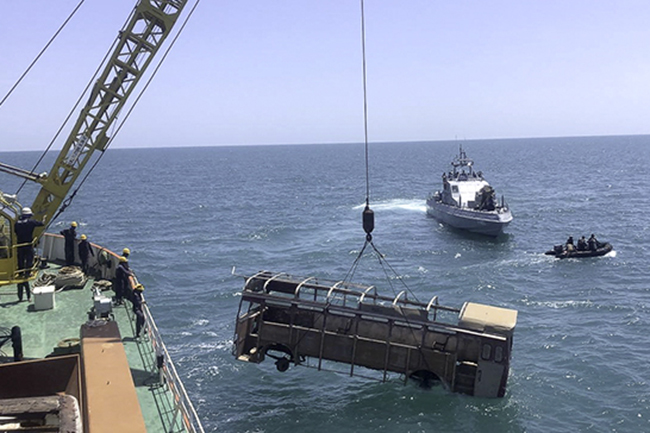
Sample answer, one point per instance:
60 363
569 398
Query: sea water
582 341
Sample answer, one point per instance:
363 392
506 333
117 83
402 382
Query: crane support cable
73 110
145 32
41 53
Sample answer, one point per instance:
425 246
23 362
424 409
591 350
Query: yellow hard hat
126 251
73 224
123 259
139 287
83 237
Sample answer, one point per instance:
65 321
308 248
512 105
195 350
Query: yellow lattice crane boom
138 42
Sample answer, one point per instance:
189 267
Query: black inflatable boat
560 252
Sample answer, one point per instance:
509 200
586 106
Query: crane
137 43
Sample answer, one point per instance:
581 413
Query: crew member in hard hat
126 252
24 229
122 284
70 235
85 250
138 300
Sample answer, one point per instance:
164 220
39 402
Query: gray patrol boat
467 201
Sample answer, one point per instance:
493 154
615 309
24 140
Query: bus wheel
282 364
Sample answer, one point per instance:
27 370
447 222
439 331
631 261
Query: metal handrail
399 295
328 289
24 274
297 292
182 402
188 421
365 292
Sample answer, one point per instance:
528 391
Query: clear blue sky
289 71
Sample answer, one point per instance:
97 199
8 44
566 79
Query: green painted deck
47 332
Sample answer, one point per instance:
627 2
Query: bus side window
498 354
487 351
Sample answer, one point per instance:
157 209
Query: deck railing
185 417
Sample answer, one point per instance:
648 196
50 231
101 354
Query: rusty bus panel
291 319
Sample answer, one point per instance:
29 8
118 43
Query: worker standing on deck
70 235
138 300
122 283
128 287
24 230
85 250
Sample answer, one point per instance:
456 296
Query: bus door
491 368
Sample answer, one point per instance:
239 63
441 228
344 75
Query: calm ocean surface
582 343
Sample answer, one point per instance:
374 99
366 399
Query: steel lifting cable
365 103
41 53
368 222
368 218
368 215
68 200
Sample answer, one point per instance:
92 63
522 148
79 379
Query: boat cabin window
487 352
5 237
454 188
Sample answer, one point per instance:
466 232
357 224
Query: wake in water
399 204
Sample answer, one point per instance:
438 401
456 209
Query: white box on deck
43 297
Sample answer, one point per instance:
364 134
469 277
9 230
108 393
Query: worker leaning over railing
24 229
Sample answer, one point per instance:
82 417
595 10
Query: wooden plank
111 401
